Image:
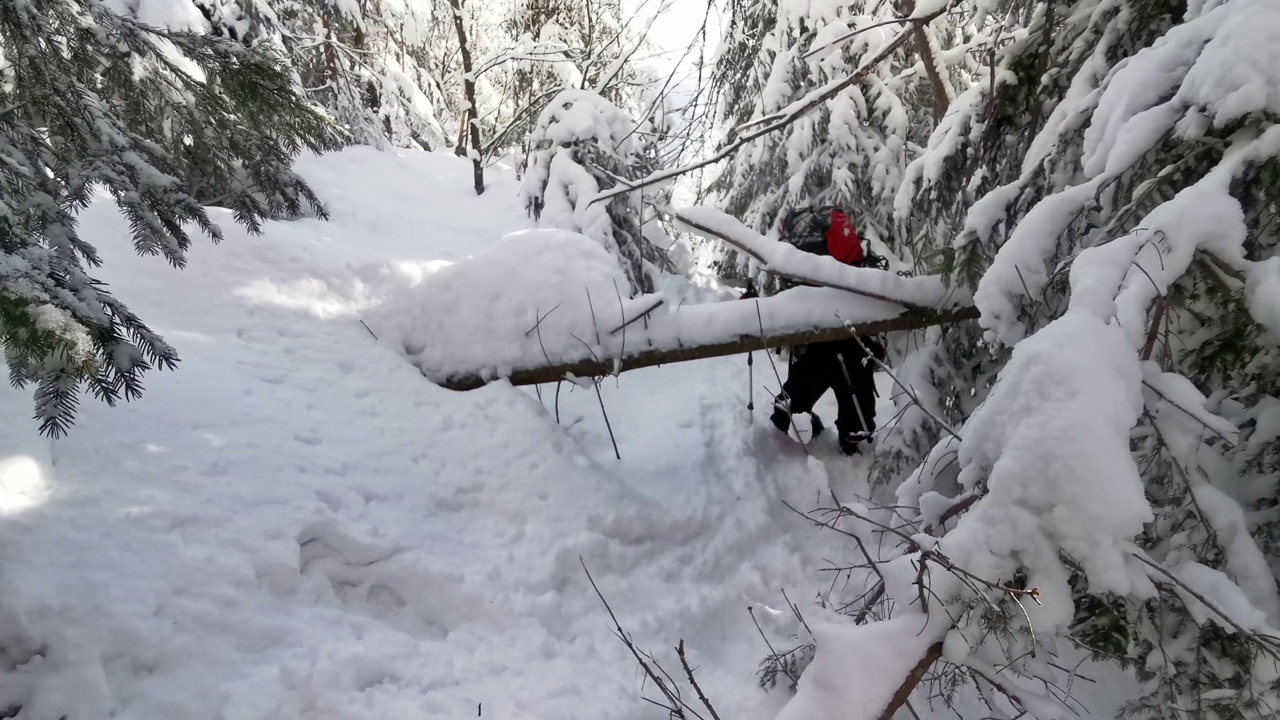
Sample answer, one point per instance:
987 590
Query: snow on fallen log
706 331
545 305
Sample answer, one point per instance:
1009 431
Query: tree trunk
470 117
941 97
677 352
330 54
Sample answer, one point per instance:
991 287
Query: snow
297 524
1224 598
1262 292
1052 445
859 668
1248 567
437 334
1239 71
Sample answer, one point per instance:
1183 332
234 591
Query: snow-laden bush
584 144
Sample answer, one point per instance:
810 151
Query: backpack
827 230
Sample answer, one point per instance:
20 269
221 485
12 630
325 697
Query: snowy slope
296 524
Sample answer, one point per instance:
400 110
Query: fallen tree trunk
642 357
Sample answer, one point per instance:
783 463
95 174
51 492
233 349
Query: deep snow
297 524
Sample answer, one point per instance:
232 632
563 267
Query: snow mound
503 303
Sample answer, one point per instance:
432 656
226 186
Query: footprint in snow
387 584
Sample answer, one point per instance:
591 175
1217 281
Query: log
649 356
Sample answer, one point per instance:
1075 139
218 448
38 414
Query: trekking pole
848 383
751 382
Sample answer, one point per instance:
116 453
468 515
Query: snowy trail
296 524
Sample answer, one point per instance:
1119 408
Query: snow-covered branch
783 118
788 262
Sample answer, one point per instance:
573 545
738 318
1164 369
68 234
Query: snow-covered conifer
583 144
852 149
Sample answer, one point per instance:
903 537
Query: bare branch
684 662
912 680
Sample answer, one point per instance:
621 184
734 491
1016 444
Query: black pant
842 366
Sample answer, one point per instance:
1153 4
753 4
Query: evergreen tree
850 151
584 144
371 66
96 100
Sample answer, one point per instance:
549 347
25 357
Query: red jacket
843 242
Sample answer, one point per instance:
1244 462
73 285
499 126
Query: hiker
842 366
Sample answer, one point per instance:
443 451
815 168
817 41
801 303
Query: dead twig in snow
773 654
607 425
675 706
684 662
594 323
538 325
622 316
781 392
646 313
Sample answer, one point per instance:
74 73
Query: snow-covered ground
297 524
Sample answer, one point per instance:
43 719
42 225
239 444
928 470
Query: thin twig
538 324
684 662
796 610
672 697
839 41
606 420
1271 641
781 666
366 327
594 324
657 304
622 315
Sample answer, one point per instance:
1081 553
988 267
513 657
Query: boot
849 442
781 416
816 424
